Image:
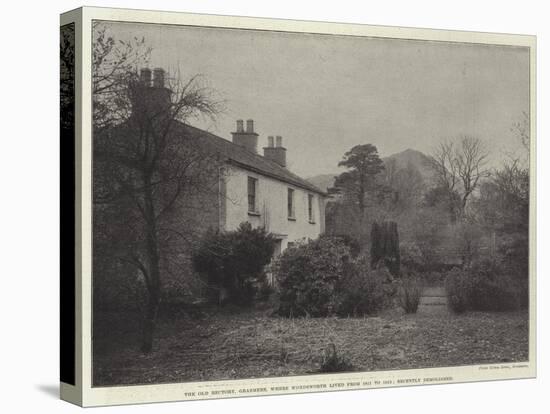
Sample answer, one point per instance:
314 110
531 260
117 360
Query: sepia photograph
270 203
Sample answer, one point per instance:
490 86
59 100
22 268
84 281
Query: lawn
219 345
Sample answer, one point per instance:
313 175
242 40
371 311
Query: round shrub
483 287
364 291
320 278
233 262
308 276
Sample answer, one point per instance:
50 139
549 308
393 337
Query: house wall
272 207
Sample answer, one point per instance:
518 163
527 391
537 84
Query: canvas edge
68 392
86 395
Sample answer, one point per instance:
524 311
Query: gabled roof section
241 157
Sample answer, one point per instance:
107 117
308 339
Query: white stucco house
265 193
247 186
261 190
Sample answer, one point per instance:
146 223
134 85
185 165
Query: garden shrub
333 362
410 291
308 276
457 286
233 262
352 242
491 288
515 260
433 278
363 291
411 256
483 287
424 261
319 278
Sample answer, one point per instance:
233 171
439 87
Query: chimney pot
275 153
247 139
240 127
158 78
145 76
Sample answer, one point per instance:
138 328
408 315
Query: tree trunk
361 200
153 261
149 322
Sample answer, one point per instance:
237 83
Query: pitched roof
240 156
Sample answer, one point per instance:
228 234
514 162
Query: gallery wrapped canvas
257 207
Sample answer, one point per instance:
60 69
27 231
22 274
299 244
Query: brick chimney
145 76
149 95
248 138
158 78
277 152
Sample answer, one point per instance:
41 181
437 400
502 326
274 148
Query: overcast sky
325 94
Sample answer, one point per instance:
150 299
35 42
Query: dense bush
483 287
308 276
515 259
363 291
320 278
491 288
233 262
433 278
457 286
410 291
411 256
352 242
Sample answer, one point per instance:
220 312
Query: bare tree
521 130
153 168
459 166
149 168
113 64
442 162
471 166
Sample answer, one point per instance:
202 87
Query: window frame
254 203
291 204
310 211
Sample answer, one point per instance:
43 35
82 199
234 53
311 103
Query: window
310 216
290 203
252 187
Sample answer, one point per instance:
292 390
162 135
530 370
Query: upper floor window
290 204
252 191
310 215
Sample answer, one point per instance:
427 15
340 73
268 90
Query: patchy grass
220 346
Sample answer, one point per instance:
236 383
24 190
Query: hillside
323 181
415 158
401 159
